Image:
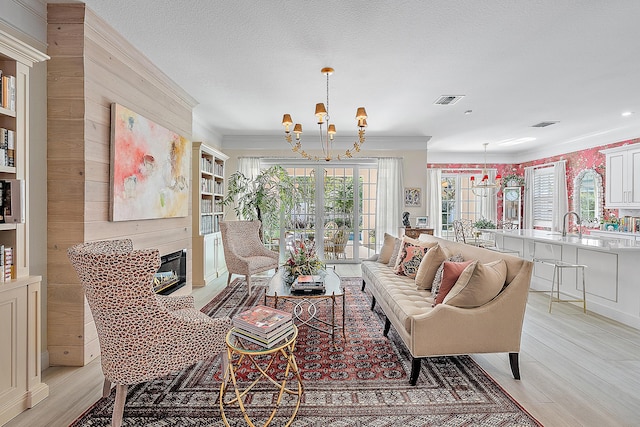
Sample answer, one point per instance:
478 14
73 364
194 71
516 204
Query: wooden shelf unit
21 386
208 194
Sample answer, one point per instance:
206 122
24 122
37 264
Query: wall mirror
588 196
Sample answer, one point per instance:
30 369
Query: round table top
278 287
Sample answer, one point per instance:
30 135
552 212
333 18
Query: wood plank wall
91 67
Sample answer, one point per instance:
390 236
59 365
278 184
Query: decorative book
261 319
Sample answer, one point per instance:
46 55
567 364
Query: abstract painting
149 168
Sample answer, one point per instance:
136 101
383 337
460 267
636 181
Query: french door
335 210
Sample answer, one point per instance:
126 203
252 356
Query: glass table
264 360
305 304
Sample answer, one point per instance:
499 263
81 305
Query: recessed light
627 113
468 112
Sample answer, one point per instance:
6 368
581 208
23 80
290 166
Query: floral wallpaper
589 158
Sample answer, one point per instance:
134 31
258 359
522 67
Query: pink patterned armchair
243 250
142 335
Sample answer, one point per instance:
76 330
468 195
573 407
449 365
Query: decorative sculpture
405 220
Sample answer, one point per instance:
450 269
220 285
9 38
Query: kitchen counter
611 275
606 243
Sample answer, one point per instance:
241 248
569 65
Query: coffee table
305 309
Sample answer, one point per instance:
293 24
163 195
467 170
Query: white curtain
249 166
489 203
560 198
433 198
390 197
528 198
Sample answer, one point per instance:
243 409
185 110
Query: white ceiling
518 62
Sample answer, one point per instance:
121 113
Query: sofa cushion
410 256
437 280
429 266
480 287
451 273
387 248
394 254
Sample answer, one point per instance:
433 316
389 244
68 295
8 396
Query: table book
261 319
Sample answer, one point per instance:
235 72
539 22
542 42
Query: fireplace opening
172 274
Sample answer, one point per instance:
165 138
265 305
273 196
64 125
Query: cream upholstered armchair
244 253
142 335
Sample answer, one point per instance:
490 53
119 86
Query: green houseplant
484 224
512 180
263 198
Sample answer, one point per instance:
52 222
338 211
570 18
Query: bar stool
558 267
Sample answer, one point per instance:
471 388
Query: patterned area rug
361 381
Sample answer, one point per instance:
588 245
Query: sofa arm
492 328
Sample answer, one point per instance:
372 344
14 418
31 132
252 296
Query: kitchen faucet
578 221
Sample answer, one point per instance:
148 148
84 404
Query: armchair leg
363 285
106 388
387 325
224 366
373 302
118 406
229 279
515 367
416 362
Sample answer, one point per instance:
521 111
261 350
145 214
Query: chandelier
327 130
485 187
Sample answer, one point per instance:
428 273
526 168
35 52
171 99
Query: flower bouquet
303 260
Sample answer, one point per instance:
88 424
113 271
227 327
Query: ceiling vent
544 124
448 99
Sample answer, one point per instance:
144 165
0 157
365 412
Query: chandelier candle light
485 187
327 130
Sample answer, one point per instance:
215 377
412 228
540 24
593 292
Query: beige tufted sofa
494 327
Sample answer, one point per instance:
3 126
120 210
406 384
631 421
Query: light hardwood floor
577 370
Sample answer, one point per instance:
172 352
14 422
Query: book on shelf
268 343
261 319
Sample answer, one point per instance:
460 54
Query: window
458 201
543 190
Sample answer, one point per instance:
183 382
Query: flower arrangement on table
303 260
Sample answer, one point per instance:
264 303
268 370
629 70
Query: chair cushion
451 273
479 287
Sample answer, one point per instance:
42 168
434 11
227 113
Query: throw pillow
437 279
429 266
410 255
480 287
451 272
387 248
394 253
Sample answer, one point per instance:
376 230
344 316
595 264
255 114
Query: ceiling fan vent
448 99
544 124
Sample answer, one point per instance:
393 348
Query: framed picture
149 168
412 197
422 221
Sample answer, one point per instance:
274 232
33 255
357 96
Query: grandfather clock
512 205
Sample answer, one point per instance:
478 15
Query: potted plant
262 198
484 224
512 180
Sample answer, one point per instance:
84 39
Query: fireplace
172 274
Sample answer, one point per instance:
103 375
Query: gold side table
239 349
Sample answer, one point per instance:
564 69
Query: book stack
263 325
6 263
7 142
8 91
308 284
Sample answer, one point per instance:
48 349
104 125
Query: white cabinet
208 193
622 177
21 314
